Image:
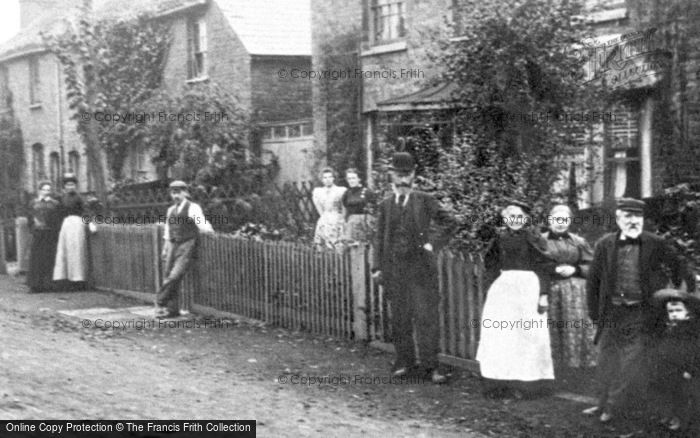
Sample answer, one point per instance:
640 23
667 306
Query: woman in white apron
71 266
514 349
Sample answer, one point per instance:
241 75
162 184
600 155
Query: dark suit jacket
655 257
425 210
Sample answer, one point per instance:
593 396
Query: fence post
3 266
155 239
23 243
359 272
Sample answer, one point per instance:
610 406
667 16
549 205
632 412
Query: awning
436 97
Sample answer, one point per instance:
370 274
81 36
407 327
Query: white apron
514 342
71 253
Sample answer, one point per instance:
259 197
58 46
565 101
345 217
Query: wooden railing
126 258
290 285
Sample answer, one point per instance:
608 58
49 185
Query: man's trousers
412 290
178 258
623 364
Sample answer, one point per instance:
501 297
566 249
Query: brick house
634 156
239 46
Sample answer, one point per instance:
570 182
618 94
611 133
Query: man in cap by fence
184 221
405 262
627 268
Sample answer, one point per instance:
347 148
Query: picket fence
289 285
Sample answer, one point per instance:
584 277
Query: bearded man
627 268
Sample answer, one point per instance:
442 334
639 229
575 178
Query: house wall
329 19
45 122
228 62
408 69
279 97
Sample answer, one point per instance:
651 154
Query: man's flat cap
181 185
631 205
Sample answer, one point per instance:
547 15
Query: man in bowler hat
406 264
184 221
627 268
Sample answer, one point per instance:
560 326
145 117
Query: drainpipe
59 116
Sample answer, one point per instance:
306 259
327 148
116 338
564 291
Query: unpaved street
60 359
54 368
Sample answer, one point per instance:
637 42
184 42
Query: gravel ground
56 366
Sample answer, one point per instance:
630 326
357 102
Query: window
141 159
294 131
196 49
38 171
388 20
54 169
34 81
287 131
4 89
74 162
279 132
307 129
624 174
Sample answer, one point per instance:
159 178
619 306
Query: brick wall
40 122
227 59
279 97
425 20
329 19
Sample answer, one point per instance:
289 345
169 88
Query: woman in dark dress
516 358
356 201
571 330
44 225
71 266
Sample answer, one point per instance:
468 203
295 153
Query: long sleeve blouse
356 200
520 250
570 249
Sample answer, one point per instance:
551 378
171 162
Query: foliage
678 220
110 68
114 73
675 27
518 82
202 132
12 156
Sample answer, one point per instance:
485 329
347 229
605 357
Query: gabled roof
29 40
270 27
266 27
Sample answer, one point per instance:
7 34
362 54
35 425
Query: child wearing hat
677 370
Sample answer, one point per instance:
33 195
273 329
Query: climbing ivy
110 67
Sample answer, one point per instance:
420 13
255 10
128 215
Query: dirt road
54 367
96 355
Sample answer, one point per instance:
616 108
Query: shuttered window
196 49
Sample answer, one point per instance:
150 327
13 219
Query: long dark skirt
42 257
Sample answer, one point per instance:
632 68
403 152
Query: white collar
396 198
